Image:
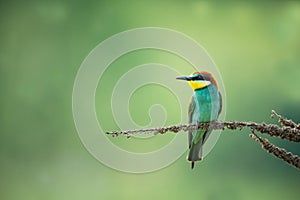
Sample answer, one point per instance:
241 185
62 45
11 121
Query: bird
205 106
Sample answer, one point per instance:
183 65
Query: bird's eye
198 77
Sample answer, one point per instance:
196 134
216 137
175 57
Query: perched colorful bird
205 106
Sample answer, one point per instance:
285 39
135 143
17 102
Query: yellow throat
199 84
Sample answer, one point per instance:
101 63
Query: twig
276 151
285 122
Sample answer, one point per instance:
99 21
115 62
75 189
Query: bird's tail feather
195 153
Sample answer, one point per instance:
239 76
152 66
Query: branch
277 152
289 130
273 130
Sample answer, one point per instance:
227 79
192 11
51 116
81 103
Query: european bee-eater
205 106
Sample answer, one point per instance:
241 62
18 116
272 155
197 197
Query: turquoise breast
207 101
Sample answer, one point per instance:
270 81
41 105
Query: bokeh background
42 44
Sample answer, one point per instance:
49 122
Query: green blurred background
42 44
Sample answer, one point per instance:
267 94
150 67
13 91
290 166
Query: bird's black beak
186 78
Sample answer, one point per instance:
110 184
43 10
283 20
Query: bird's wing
195 136
192 106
